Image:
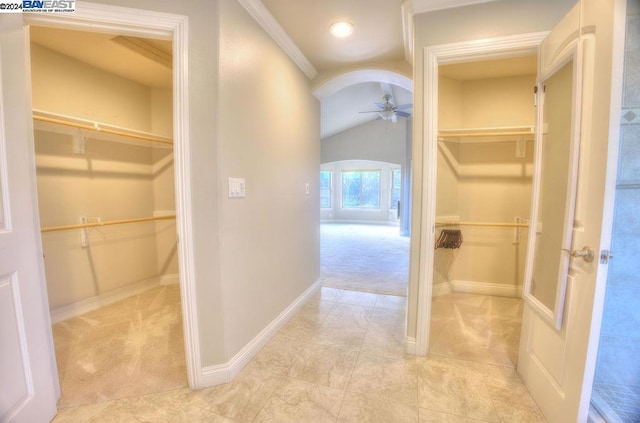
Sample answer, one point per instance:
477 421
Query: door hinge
605 256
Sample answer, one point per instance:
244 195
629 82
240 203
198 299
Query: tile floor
340 359
139 338
477 328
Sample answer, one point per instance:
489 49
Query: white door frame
149 24
435 56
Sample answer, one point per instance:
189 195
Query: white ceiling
378 38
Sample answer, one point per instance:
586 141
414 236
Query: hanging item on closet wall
449 238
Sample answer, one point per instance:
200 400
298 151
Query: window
325 189
396 186
361 189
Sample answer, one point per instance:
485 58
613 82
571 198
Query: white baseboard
71 310
162 213
442 288
170 279
486 288
223 373
410 345
89 304
448 218
363 222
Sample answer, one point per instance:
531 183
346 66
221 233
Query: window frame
391 188
330 189
378 171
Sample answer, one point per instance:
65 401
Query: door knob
586 253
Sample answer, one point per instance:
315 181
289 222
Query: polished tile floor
139 339
340 359
477 328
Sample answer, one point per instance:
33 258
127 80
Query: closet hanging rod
95 126
107 223
495 224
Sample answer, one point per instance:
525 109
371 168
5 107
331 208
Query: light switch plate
237 188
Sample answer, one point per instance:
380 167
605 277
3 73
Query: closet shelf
492 134
494 224
52 121
107 223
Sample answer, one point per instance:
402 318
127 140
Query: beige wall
163 182
110 181
77 89
377 140
484 182
449 102
498 102
164 203
449 116
481 21
489 254
269 134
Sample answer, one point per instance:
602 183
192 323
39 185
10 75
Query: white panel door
561 322
28 380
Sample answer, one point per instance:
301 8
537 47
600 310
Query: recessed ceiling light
341 29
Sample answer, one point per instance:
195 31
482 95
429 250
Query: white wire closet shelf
71 125
487 134
441 224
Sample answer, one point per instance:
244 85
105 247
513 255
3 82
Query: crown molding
424 6
261 14
358 76
407 10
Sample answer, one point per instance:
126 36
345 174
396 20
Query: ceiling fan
388 111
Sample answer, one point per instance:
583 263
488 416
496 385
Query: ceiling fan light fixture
386 114
341 29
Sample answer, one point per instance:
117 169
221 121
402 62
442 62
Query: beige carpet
369 258
129 348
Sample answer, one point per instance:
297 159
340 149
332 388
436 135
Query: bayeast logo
48 6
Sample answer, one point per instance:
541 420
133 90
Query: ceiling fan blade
371 111
404 106
381 105
403 114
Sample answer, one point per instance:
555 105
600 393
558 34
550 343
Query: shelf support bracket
79 142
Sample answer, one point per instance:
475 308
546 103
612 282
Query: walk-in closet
104 163
486 118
